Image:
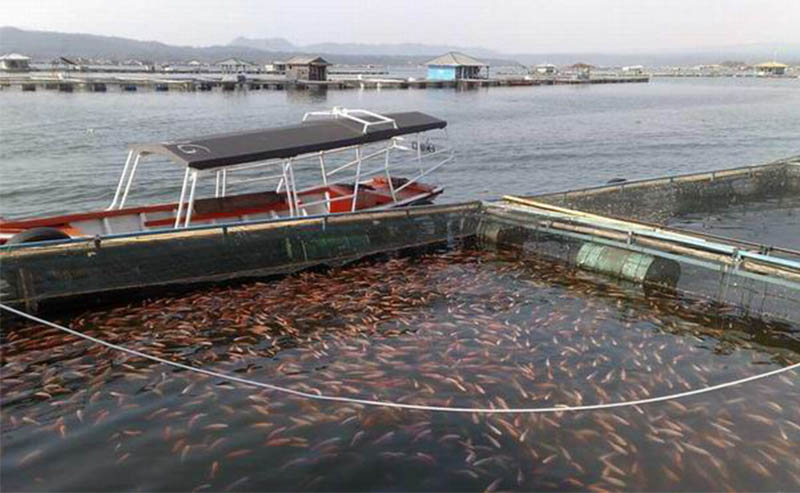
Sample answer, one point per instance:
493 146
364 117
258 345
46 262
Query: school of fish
459 327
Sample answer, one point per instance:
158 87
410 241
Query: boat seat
245 201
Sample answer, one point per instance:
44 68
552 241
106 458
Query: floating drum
625 264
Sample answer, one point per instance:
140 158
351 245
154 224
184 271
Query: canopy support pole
388 175
224 182
291 186
358 178
130 180
322 168
285 180
121 180
191 200
419 152
180 200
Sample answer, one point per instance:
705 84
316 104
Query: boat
334 161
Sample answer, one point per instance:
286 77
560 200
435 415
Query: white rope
399 405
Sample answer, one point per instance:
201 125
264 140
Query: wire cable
400 405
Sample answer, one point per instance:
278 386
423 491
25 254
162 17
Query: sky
507 26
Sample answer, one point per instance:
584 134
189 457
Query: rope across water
400 405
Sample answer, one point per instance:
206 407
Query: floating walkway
105 82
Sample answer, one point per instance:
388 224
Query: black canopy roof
215 151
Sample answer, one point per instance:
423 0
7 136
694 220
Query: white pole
191 200
180 200
358 177
322 167
285 180
419 153
130 180
389 176
292 187
121 180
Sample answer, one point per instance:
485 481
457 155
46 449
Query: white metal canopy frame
420 150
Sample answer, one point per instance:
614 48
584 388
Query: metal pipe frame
389 176
130 180
190 205
322 169
292 188
121 181
380 170
632 229
182 197
358 178
285 180
338 112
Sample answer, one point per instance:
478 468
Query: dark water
460 328
64 152
772 222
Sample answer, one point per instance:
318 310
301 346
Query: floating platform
630 231
103 82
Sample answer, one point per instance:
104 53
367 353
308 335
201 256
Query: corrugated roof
234 61
306 60
771 65
14 56
455 58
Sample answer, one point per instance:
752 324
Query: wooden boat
334 161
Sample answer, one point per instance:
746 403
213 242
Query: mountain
749 53
386 49
47 45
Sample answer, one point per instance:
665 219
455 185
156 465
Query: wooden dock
105 82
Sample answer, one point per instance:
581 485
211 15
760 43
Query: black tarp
285 142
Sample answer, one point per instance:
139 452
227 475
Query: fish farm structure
638 335
629 230
101 83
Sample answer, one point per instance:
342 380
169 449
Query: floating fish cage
660 234
730 236
562 342
135 264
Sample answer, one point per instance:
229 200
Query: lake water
463 327
64 152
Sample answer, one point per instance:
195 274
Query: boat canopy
217 151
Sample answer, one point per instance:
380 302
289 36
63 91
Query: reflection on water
459 328
311 95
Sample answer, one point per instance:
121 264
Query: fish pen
730 237
561 342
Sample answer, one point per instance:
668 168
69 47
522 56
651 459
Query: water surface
64 152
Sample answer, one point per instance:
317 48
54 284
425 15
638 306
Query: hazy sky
510 26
